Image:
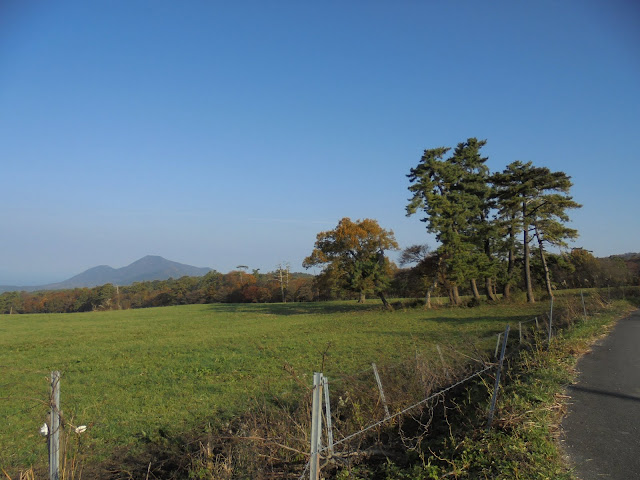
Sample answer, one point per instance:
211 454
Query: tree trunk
384 301
362 297
527 266
488 285
506 291
511 265
454 296
427 297
547 276
474 289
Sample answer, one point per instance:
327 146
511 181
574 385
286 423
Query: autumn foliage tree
353 253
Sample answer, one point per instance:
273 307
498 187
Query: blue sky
230 133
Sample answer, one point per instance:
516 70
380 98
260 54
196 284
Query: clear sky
230 133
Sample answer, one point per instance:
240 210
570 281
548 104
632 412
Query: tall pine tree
454 194
535 200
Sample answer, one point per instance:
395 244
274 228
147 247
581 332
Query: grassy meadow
130 375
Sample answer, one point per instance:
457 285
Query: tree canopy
537 200
476 216
353 255
454 194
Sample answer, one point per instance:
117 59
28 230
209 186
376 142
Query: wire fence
528 334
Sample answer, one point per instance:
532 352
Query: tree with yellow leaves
354 253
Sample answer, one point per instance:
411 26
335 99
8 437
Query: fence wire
406 410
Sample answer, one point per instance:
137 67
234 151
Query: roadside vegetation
524 440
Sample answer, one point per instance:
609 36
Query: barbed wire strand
306 467
407 409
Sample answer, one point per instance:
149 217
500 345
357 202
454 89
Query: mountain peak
147 268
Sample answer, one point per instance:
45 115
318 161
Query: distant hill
633 262
628 256
151 267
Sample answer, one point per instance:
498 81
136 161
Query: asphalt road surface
602 428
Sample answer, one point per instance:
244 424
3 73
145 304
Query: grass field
131 374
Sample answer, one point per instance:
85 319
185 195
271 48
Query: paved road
602 428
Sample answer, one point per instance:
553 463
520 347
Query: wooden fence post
584 308
316 427
54 428
497 383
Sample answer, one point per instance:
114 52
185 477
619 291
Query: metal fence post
495 355
54 428
316 427
384 400
494 397
327 413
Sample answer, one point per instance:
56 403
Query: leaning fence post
54 428
316 427
384 400
497 383
495 355
327 413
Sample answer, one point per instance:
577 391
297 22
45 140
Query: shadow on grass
467 316
308 308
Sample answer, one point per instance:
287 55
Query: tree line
238 286
494 232
576 269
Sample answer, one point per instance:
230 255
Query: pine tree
536 200
455 195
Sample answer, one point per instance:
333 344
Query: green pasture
131 374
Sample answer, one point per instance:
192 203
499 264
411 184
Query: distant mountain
151 267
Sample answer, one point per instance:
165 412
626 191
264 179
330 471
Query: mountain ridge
147 268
